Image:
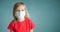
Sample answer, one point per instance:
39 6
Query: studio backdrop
44 13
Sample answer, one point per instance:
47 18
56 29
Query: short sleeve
31 24
11 26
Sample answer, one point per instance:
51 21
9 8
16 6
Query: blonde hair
15 7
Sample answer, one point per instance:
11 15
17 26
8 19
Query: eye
22 10
18 10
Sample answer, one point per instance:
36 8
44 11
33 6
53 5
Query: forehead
21 7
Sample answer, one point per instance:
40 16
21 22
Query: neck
21 20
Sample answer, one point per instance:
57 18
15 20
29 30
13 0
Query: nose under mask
20 14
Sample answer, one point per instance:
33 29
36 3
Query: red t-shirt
24 26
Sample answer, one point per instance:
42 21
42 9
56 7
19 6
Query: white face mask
20 14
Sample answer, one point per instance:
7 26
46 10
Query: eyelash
21 10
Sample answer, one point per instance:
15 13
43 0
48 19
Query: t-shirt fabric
24 26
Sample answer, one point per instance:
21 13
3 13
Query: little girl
21 21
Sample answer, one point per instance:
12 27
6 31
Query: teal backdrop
44 13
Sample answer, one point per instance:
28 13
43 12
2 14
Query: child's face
20 12
21 8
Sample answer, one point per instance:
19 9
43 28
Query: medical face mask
20 14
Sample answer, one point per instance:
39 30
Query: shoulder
31 23
11 25
28 19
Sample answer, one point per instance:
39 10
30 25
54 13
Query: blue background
44 13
